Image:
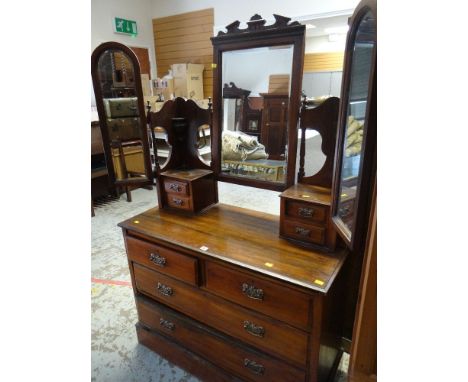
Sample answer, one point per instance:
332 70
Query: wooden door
143 58
273 131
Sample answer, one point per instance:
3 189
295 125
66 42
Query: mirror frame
258 35
96 55
368 163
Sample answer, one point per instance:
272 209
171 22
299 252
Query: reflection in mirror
204 144
116 75
163 148
355 131
254 112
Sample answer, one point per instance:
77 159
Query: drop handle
178 202
252 292
167 324
157 259
254 367
255 330
164 290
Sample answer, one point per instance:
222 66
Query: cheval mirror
119 99
257 89
357 128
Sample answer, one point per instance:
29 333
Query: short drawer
240 360
176 187
280 302
271 336
162 259
306 211
177 201
304 232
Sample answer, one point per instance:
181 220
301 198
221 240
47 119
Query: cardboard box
188 80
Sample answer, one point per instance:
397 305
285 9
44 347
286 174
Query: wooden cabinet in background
274 125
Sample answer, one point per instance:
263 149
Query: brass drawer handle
254 367
175 187
306 212
252 292
165 290
158 259
178 202
302 231
167 324
250 327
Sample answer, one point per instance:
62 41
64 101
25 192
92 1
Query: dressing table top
241 237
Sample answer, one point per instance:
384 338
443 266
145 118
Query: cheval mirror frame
259 35
365 179
97 53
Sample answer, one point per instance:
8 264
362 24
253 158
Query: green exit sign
125 26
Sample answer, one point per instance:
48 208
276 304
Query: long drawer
279 302
162 259
272 336
243 361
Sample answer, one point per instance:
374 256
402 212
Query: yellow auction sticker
319 282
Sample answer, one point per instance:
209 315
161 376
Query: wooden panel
278 84
323 62
143 58
185 38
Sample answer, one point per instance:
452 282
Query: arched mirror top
117 86
257 86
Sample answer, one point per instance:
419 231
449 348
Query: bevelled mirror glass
357 124
256 104
252 147
117 86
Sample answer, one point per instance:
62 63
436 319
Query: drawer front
175 187
177 201
162 259
239 359
304 232
306 211
271 336
274 300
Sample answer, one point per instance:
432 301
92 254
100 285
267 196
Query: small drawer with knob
304 232
274 300
163 260
307 212
176 187
179 202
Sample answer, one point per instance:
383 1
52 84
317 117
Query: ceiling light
310 26
338 30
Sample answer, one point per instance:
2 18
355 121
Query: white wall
227 11
102 30
322 44
251 69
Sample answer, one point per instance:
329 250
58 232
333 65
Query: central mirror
256 102
254 126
